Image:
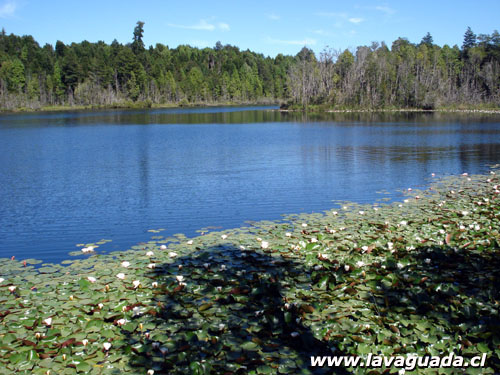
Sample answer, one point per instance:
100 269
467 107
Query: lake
79 177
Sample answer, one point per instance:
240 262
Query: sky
268 27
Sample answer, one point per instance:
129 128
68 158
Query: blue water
69 178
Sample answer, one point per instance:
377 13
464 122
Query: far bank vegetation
406 75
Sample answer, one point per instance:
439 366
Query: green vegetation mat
416 277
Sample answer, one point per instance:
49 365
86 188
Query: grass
415 277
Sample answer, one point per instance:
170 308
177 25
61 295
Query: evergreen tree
427 39
469 39
138 44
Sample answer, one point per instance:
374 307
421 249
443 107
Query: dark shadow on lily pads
446 296
222 310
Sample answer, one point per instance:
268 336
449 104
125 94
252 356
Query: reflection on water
67 178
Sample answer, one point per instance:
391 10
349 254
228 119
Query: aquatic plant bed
417 277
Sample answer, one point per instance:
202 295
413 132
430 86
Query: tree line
407 75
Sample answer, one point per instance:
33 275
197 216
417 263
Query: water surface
78 177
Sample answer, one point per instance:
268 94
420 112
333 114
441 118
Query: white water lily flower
190 242
314 239
223 267
224 236
465 174
121 322
409 189
179 278
400 266
91 279
360 263
427 260
151 372
48 321
390 245
106 346
163 247
242 248
477 227
332 231
442 231
136 283
462 227
464 213
403 223
347 267
125 264
294 334
154 284
100 305
400 205
264 244
121 276
85 342
406 200
206 265
219 289
288 234
259 239
304 225
361 212
136 311
375 208
172 254
364 248
151 265
222 326
318 267
335 213
150 254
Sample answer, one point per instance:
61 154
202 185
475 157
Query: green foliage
415 278
420 75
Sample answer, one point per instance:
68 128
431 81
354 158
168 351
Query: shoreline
401 110
132 106
147 105
398 278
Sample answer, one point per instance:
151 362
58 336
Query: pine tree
138 44
469 39
427 39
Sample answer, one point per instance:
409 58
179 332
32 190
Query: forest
406 75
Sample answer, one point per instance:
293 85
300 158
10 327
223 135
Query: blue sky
268 27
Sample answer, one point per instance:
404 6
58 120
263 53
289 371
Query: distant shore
135 105
311 109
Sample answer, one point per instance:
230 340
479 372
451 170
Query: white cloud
7 9
203 25
332 14
387 10
304 42
322 32
273 17
223 26
355 20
